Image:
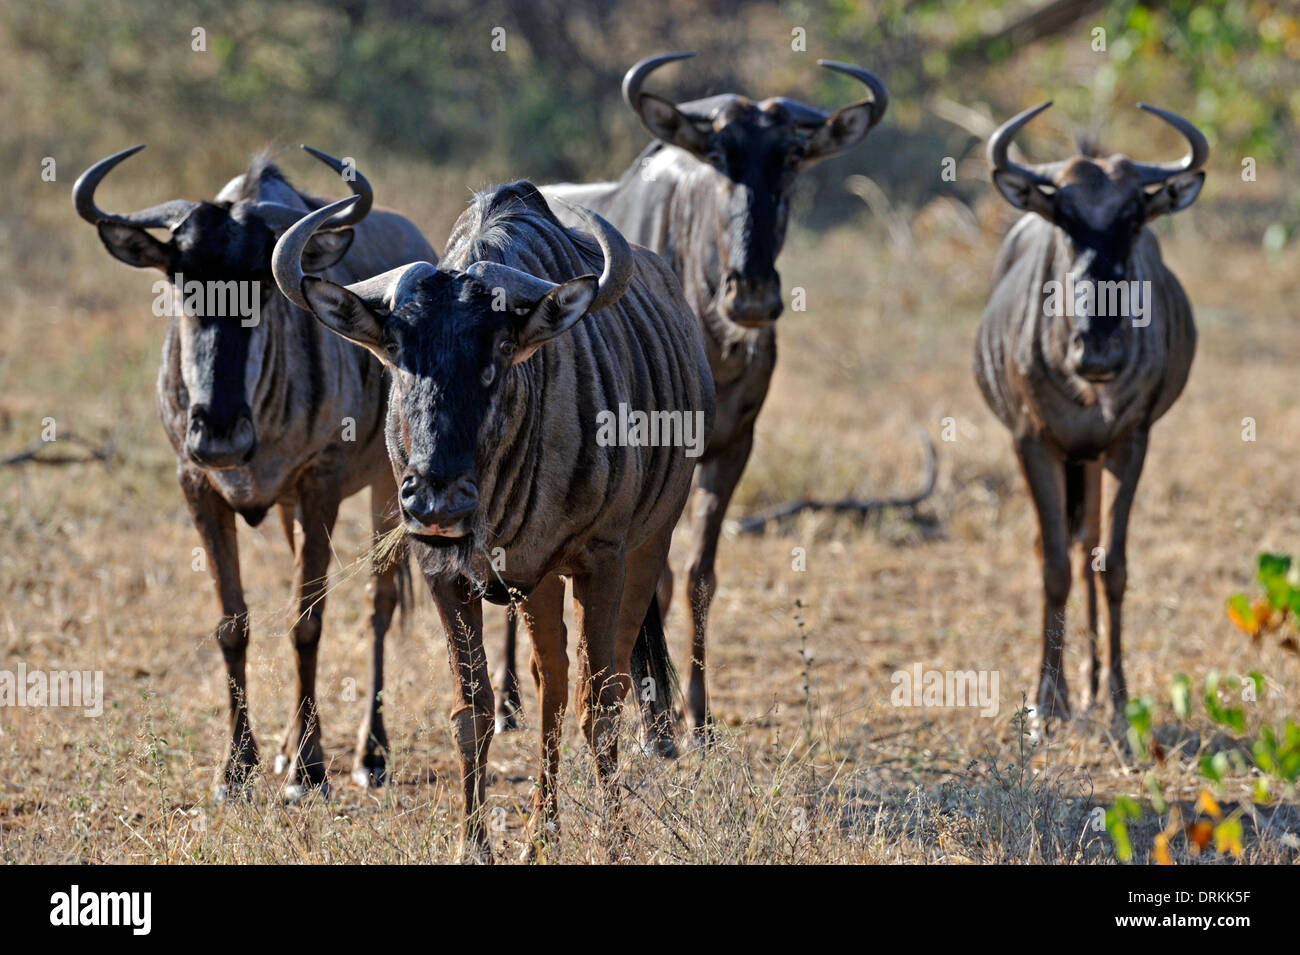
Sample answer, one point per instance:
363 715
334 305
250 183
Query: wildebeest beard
470 556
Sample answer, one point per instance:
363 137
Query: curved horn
384 291
166 215
1198 150
279 216
879 95
634 77
1000 141
286 260
359 185
619 264
521 288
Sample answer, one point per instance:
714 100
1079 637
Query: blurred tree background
435 98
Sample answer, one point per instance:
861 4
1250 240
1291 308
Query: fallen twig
756 522
94 452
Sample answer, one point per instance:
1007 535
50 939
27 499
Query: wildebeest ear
667 123
325 249
845 128
344 313
554 314
136 246
1174 195
1024 193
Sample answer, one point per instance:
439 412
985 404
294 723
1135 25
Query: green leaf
1180 693
1214 766
1240 613
1272 574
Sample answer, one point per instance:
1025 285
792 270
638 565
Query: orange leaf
1205 803
1250 626
1162 850
1265 617
1199 833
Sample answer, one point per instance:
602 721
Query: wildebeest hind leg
645 569
370 760
303 756
543 615
596 600
508 705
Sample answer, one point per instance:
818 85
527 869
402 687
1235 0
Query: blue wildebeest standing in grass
274 412
499 379
712 195
1080 391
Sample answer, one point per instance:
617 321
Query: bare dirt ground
813 762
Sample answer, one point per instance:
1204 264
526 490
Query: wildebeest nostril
462 497
215 446
415 499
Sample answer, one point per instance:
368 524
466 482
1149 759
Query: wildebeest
498 384
712 195
1086 341
270 411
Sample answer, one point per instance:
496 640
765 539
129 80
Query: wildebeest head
449 337
225 246
758 148
1100 206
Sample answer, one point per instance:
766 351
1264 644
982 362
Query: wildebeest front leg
1045 474
1123 468
508 705
471 715
716 481
302 753
1089 539
215 523
369 764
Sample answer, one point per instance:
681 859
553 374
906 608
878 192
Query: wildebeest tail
650 660
1075 496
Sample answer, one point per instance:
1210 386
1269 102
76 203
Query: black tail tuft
651 661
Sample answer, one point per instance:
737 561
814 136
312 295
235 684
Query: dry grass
95 572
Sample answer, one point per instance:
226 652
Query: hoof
296 792
232 792
1035 727
703 735
537 845
506 722
370 770
370 778
235 782
660 747
474 855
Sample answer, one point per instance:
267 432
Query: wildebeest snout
438 507
220 441
1096 357
751 300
